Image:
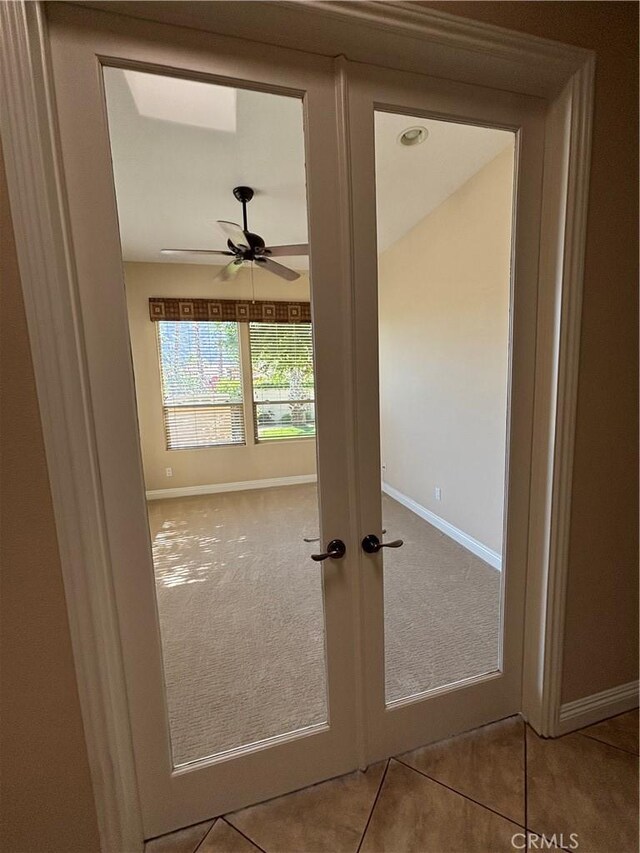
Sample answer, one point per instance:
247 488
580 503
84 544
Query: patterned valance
234 310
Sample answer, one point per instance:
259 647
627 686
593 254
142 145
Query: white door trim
563 76
565 204
48 284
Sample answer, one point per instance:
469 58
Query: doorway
362 715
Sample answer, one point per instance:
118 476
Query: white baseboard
592 709
214 488
491 557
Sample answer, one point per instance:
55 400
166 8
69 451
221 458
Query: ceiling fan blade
234 232
193 252
290 251
230 271
278 269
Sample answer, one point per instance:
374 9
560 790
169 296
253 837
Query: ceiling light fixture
413 135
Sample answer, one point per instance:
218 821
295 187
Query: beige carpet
240 605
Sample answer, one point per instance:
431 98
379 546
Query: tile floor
473 792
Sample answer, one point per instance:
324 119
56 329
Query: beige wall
601 635
214 464
46 800
444 327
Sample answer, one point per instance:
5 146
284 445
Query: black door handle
371 544
336 549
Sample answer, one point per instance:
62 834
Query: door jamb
45 256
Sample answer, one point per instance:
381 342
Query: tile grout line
460 794
246 837
375 802
605 743
528 830
182 829
201 842
526 777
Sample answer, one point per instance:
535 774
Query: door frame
459 49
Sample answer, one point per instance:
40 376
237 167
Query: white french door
383 677
186 770
445 320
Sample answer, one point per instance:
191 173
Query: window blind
283 386
201 384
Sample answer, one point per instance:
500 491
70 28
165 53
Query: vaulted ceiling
179 147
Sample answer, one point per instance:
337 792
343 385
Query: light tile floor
474 793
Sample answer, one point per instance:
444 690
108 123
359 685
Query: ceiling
175 167
411 181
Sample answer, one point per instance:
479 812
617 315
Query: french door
444 349
186 769
382 674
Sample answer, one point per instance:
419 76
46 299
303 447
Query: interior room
226 406
318 426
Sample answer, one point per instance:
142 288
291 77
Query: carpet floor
242 623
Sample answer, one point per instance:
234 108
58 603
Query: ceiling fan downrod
244 196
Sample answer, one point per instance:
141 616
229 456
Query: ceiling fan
243 246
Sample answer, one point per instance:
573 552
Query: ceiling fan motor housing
255 249
243 194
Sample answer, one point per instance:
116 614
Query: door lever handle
371 544
336 549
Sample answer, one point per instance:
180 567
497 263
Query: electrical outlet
437 493
168 472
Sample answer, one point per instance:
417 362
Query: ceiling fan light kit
243 245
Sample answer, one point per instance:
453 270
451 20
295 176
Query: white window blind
282 374
201 384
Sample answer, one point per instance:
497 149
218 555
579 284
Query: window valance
232 310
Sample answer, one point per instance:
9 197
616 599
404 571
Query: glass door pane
222 350
444 228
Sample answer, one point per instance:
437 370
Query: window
201 384
282 374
